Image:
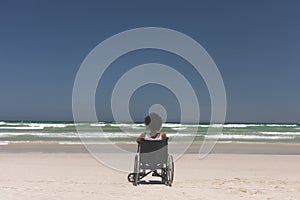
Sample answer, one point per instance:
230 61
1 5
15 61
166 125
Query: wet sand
219 148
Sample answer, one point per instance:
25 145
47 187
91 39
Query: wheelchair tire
130 177
136 170
170 171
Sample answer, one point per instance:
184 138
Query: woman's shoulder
163 135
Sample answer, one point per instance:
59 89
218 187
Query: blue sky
255 45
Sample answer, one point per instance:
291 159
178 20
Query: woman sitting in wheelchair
152 154
153 123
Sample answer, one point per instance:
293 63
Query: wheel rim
170 170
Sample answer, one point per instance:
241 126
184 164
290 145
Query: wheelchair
153 157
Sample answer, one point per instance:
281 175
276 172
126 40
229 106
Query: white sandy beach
79 176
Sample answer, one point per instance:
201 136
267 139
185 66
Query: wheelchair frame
153 157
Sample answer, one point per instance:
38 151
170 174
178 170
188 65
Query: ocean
104 132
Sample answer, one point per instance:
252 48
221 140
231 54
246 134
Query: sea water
112 132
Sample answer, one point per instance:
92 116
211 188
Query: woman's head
153 121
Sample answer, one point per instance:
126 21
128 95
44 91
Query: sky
255 45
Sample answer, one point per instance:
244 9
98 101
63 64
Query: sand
79 176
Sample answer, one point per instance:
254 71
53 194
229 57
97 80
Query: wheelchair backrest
154 151
147 146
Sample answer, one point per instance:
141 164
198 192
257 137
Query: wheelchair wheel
136 170
170 171
130 177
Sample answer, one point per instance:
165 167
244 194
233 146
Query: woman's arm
140 138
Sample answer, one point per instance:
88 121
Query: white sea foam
247 137
228 125
50 125
107 134
2 123
204 125
32 126
241 125
280 133
171 125
69 143
100 124
236 125
128 126
72 134
21 127
8 134
247 125
11 123
125 125
94 143
191 125
179 128
3 143
282 125
121 125
170 135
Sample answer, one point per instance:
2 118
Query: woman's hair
153 121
